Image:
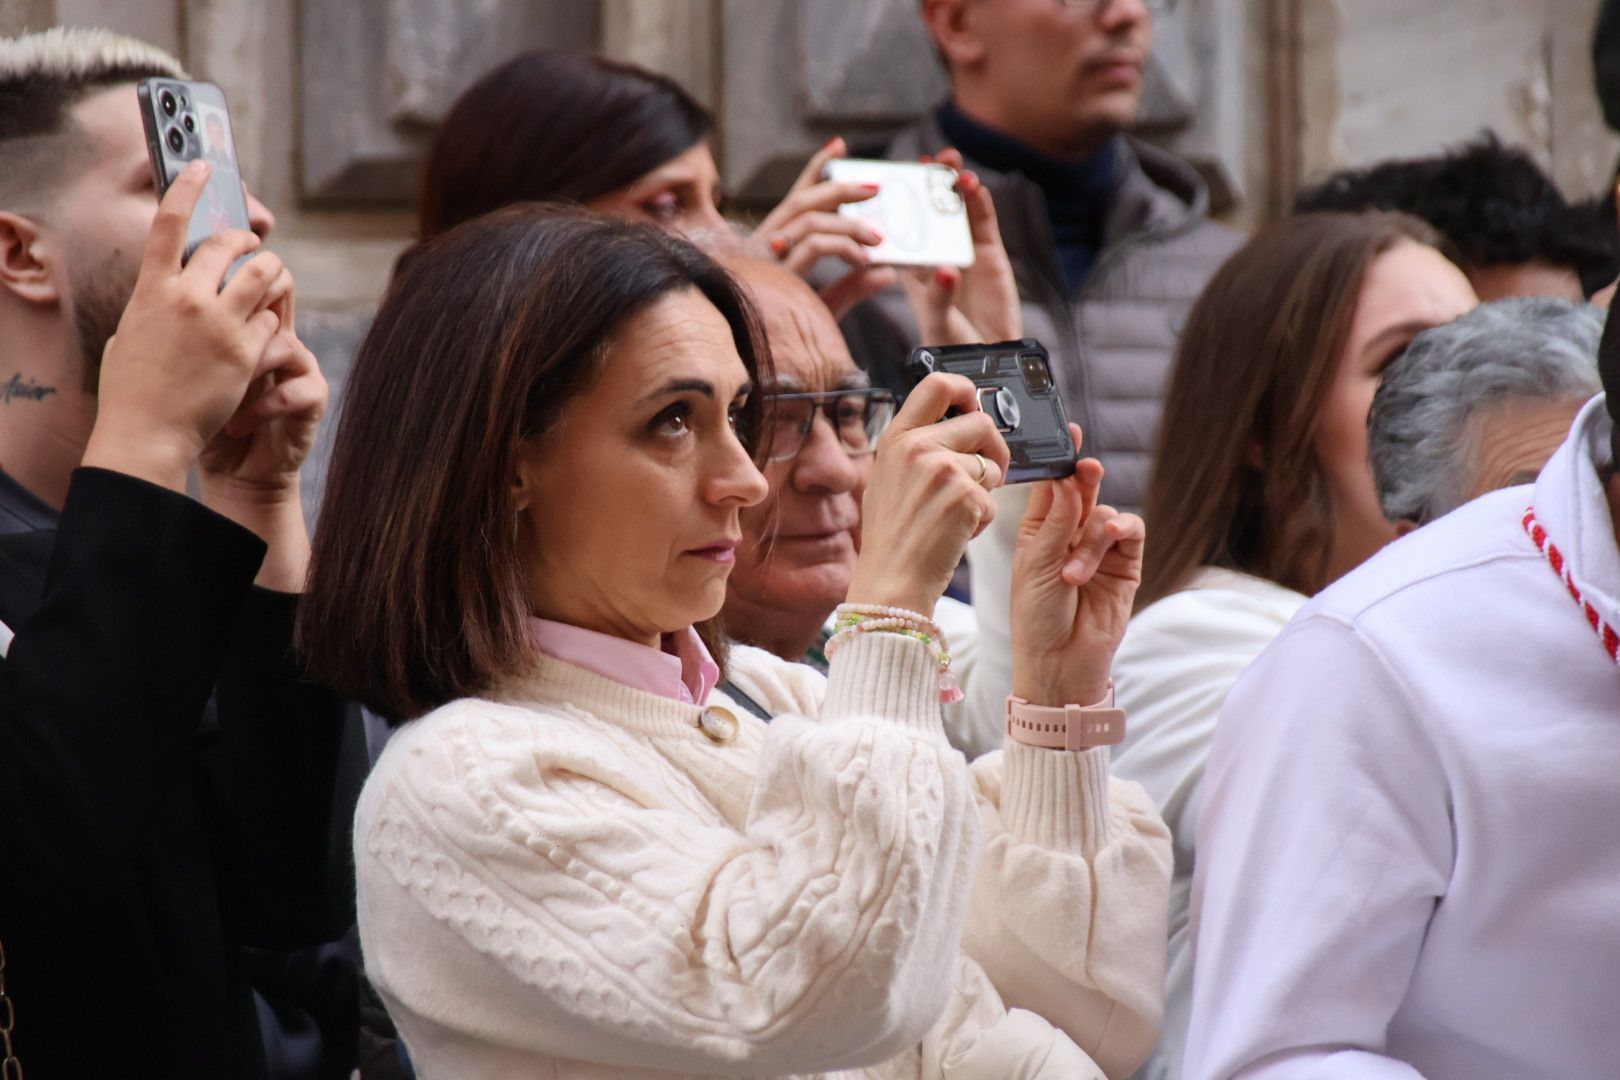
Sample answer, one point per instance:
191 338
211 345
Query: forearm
1070 899
272 774
140 602
276 516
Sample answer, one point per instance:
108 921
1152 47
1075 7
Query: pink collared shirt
682 670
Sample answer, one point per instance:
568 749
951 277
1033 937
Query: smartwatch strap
1068 727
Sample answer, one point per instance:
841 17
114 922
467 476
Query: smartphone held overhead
186 121
917 209
1017 392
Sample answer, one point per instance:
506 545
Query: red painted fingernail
970 182
831 142
873 188
946 277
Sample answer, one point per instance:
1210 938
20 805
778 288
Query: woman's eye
662 207
673 421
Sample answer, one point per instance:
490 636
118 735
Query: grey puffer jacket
1112 343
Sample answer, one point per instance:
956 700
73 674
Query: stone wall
334 99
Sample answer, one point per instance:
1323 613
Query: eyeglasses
858 417
1089 6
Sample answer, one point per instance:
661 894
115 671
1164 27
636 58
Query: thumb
1050 521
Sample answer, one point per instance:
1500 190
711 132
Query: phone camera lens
1036 375
177 141
190 122
168 104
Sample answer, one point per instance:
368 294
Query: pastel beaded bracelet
851 620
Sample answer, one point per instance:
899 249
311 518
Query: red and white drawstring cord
1538 536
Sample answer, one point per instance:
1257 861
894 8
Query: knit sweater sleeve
523 884
1070 898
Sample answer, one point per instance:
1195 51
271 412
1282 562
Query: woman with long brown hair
1261 492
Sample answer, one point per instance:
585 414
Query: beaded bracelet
851 620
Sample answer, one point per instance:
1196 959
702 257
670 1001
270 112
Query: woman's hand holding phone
974 304
1076 569
806 228
928 496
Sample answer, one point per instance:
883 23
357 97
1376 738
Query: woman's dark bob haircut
417 591
553 127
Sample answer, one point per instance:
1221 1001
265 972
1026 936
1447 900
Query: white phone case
922 218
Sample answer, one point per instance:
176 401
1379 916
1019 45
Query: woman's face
682 195
1408 289
630 503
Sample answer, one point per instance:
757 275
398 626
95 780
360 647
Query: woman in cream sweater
581 858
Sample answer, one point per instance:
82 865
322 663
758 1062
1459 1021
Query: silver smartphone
188 120
922 218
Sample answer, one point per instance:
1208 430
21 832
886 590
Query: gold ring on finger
984 469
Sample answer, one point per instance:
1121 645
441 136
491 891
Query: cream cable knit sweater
573 882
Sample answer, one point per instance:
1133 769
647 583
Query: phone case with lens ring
1018 390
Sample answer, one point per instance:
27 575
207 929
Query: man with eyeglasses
799 545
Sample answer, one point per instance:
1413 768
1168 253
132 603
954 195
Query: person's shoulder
25 558
1217 593
779 686
1220 613
475 734
1449 554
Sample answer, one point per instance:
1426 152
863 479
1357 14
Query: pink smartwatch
1069 727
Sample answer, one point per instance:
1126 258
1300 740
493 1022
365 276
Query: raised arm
1070 900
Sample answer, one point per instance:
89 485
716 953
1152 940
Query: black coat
138 857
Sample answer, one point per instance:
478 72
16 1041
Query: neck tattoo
21 389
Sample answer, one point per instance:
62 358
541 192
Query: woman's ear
1406 525
25 251
522 484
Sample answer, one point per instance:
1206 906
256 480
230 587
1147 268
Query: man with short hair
76 202
1480 403
1509 227
1407 863
1110 238
235 856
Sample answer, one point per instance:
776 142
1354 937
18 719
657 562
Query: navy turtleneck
1078 193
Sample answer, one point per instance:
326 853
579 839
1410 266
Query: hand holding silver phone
922 218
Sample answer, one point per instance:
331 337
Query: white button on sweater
574 882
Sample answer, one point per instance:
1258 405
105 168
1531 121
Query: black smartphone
1018 392
189 120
